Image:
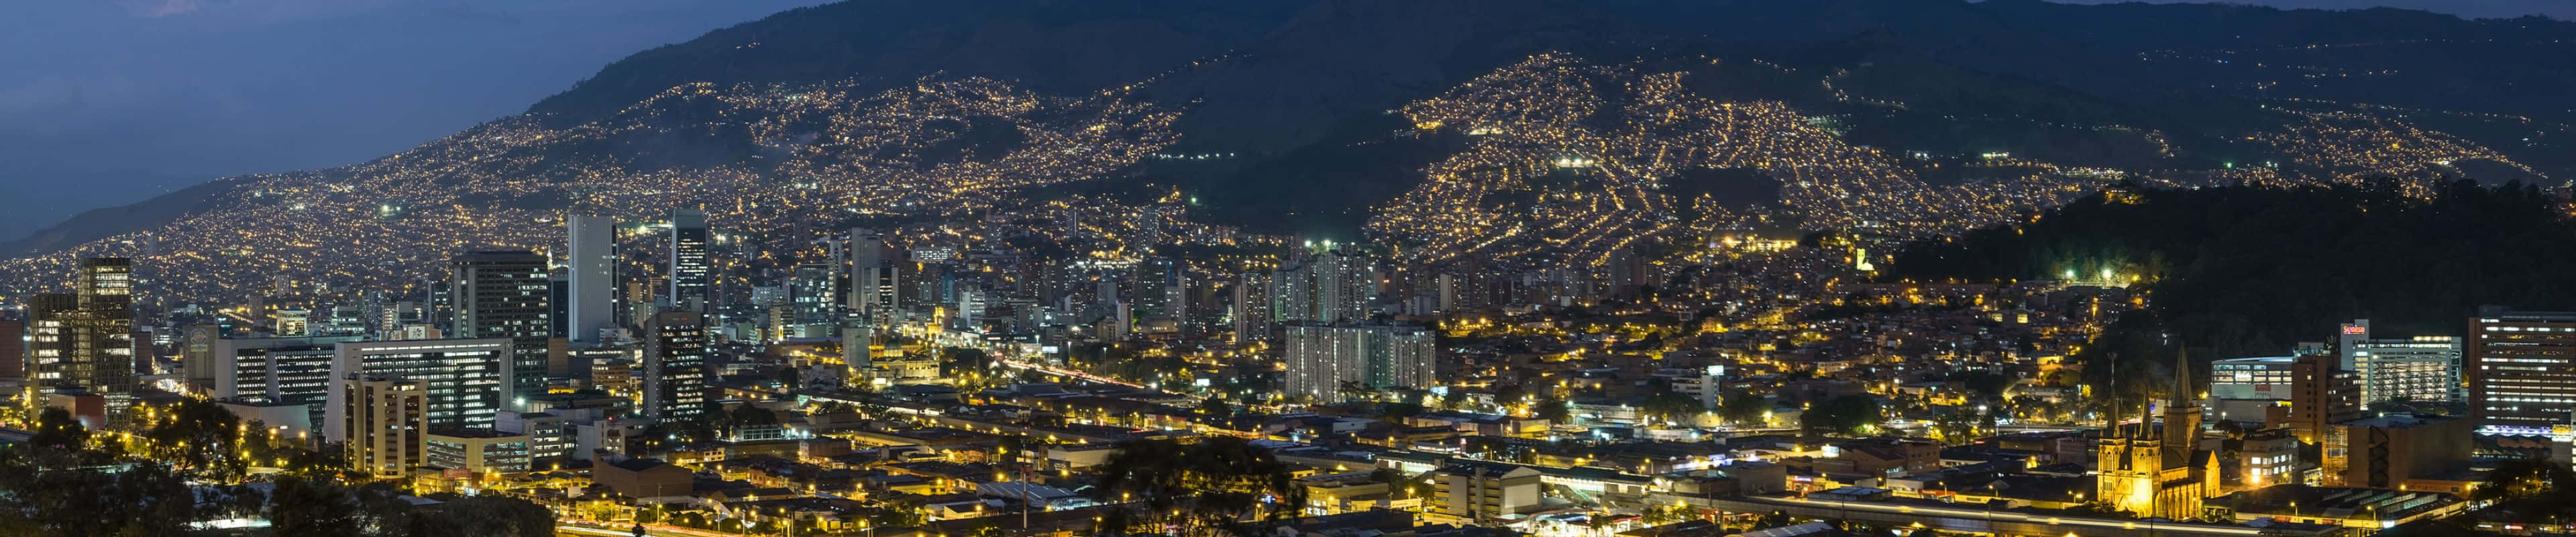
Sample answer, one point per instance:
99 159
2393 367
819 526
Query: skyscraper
2517 364
591 254
506 295
874 276
1252 314
690 267
1322 358
13 348
1328 287
675 377
84 340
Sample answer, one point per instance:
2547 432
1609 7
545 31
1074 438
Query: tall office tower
2321 392
13 348
690 271
2517 364
439 299
1322 358
506 295
591 255
84 340
675 357
295 371
1147 288
2418 369
873 275
462 376
383 419
812 292
1252 308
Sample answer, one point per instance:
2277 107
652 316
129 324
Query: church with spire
2158 470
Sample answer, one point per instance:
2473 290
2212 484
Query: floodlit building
382 422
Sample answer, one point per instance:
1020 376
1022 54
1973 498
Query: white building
1321 358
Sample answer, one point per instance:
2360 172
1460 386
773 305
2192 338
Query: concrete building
1322 358
642 478
460 376
590 247
674 369
2258 378
481 451
2321 392
83 341
2387 452
2516 363
508 295
273 370
690 271
1485 491
2417 369
383 423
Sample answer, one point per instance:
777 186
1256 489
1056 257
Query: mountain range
1451 130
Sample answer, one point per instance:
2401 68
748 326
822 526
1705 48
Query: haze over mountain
1419 124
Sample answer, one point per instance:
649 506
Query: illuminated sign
2356 330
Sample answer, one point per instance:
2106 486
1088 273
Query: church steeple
2182 414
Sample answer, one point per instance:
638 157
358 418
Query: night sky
106 102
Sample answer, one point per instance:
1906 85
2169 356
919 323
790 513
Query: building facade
1323 359
383 423
508 295
675 356
83 341
459 377
590 247
2516 364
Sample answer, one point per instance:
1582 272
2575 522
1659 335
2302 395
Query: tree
1215 407
57 428
1744 408
302 506
1841 415
203 436
1553 409
1211 485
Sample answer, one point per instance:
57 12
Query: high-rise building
506 295
1252 316
13 348
461 376
2321 392
875 276
675 356
1327 287
2517 364
84 340
691 270
2417 369
591 256
382 421
1322 359
813 293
